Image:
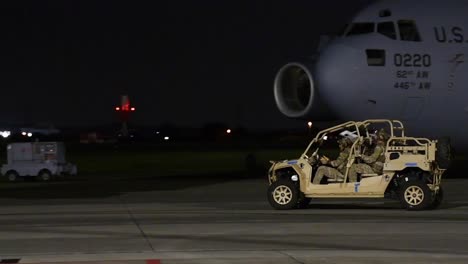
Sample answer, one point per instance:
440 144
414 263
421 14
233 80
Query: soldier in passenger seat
373 163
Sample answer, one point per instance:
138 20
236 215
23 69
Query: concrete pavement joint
135 221
291 257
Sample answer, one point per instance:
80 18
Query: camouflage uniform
377 158
338 166
373 163
360 168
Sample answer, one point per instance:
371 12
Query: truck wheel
438 198
283 195
12 176
415 195
45 175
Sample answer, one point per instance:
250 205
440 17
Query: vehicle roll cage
394 126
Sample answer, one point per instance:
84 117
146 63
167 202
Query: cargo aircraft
398 59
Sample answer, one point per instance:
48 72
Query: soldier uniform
338 166
360 168
372 163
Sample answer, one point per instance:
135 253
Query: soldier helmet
382 134
345 142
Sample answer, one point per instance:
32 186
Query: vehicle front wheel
415 195
283 195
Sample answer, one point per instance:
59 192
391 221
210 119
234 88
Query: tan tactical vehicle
412 168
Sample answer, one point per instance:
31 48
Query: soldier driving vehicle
336 168
396 166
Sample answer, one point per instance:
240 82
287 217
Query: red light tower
124 111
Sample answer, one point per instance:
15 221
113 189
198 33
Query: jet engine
297 94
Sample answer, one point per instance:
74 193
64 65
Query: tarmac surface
228 222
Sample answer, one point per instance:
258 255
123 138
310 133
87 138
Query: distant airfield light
24 133
132 109
166 138
157 132
309 125
117 109
229 131
29 134
5 134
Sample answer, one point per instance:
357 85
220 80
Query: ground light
5 134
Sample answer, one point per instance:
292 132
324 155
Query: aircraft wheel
415 196
438 198
303 202
283 195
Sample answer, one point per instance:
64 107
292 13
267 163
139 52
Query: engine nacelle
296 93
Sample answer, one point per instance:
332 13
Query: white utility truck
36 159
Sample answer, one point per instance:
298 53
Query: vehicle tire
11 176
438 198
283 195
45 175
415 195
444 153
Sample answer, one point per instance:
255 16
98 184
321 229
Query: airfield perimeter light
29 134
24 133
166 138
132 109
228 131
117 109
309 124
5 134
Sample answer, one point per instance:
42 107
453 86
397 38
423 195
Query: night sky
183 62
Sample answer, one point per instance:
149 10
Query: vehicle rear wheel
415 195
45 175
12 176
283 195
